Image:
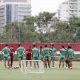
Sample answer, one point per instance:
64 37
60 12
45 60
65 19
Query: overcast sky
45 5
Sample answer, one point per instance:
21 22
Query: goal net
32 66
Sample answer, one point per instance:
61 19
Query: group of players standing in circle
46 54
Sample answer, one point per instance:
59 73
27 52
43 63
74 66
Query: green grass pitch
50 74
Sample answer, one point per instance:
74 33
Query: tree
42 28
21 31
74 26
29 30
11 32
43 21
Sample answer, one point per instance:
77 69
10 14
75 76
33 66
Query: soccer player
47 57
35 55
66 55
53 54
20 52
62 56
41 54
6 56
70 57
12 51
28 56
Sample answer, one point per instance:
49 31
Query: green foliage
43 21
44 27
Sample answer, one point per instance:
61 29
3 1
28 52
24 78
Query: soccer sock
59 65
63 65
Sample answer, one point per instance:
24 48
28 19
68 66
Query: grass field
50 74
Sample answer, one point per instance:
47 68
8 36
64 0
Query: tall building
74 7
14 10
69 8
63 12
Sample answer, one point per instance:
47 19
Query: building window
8 13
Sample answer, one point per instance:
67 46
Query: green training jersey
70 53
20 50
53 52
41 53
62 52
6 50
46 51
35 52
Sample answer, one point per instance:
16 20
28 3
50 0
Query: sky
45 5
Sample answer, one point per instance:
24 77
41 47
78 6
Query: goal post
32 66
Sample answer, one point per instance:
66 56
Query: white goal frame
24 69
